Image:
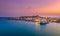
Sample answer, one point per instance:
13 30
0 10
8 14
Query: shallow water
24 28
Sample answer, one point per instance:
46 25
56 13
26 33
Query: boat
43 22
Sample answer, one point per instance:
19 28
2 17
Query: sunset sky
29 7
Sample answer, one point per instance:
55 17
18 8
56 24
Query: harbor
27 28
36 19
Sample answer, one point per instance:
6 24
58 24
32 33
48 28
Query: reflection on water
52 29
23 28
40 29
37 26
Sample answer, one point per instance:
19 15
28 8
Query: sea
25 28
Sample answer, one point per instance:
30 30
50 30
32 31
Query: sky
29 7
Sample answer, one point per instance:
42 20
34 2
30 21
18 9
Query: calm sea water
24 28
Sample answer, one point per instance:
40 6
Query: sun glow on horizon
31 7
